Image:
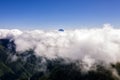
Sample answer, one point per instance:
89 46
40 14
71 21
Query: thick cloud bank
88 45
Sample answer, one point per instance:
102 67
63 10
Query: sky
55 14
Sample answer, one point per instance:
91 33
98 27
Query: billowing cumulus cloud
87 45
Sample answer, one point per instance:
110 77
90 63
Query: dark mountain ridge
28 66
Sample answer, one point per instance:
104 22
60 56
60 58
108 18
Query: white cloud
99 44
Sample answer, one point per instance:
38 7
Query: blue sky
54 14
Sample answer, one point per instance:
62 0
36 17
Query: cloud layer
88 45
